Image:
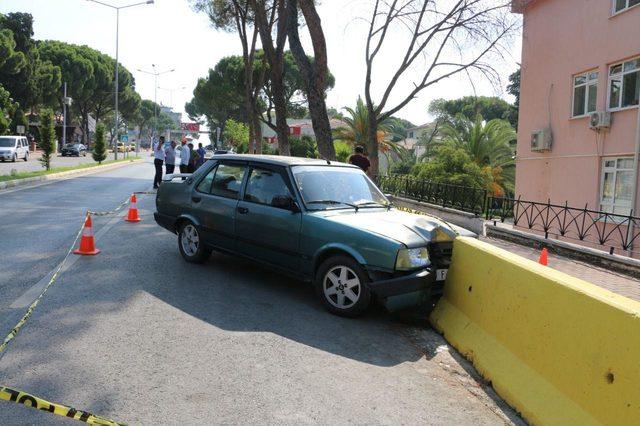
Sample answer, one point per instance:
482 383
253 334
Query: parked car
74 149
324 222
132 147
14 148
121 147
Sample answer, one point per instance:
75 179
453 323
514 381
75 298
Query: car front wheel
190 243
342 285
14 158
26 156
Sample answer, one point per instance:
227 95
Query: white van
14 147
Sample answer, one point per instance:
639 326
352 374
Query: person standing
158 159
193 159
201 153
170 157
184 157
359 159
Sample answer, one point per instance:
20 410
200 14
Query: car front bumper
415 289
6 155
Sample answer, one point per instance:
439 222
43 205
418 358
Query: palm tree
355 133
488 144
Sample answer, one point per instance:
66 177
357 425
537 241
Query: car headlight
412 258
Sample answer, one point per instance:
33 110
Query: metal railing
612 231
465 198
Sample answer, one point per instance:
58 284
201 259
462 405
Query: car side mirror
285 202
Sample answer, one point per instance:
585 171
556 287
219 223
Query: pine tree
47 137
99 147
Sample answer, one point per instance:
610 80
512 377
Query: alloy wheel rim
341 287
190 240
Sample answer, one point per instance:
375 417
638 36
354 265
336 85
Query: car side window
205 184
266 186
228 180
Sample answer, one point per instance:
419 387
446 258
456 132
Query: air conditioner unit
600 120
541 140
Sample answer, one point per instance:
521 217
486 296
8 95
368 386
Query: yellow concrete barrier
558 349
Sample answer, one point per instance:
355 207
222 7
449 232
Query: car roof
280 160
12 137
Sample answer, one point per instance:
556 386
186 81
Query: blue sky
170 35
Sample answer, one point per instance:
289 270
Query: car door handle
196 199
243 210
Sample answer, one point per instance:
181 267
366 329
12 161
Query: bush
47 137
100 147
343 151
453 166
304 146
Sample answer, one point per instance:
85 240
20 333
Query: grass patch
25 175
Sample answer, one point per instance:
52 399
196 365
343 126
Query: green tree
47 140
236 135
514 89
343 151
488 145
453 165
18 119
99 153
145 115
6 108
356 131
470 106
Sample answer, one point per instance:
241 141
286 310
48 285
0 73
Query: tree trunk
372 141
314 74
280 104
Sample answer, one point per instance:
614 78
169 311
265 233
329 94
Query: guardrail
612 231
465 198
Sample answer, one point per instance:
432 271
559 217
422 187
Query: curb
56 176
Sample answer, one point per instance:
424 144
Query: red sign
190 127
295 130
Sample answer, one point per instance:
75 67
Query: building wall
562 38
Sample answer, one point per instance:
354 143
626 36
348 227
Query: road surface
140 336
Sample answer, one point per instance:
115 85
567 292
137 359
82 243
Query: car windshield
7 142
70 145
324 187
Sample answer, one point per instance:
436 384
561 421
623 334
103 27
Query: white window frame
621 75
589 82
615 171
624 9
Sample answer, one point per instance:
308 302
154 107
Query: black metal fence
465 198
612 231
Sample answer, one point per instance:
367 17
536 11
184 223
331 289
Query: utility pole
155 75
64 116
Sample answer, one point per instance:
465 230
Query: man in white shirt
158 159
184 157
170 157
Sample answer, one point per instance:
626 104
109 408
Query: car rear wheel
190 243
342 285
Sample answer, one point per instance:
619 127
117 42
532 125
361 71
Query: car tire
14 158
191 245
342 285
26 156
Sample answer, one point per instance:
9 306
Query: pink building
580 58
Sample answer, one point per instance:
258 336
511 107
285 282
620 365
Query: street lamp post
177 89
117 9
155 75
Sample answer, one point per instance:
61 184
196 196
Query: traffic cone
133 210
87 246
544 257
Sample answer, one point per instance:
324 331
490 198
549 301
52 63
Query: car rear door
268 229
214 201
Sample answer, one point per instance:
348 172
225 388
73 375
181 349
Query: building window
617 185
620 5
585 93
624 84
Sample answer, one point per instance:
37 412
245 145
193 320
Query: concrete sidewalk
612 281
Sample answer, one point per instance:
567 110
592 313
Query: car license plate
441 274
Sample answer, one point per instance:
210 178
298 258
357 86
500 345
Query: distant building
297 127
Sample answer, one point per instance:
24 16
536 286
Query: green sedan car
324 222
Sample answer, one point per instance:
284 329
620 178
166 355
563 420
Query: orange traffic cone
544 257
87 246
133 210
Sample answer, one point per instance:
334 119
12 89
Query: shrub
100 147
47 137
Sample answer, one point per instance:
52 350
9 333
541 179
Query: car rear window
228 180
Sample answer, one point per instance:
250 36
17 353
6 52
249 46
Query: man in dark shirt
358 159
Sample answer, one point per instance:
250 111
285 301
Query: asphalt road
138 335
58 161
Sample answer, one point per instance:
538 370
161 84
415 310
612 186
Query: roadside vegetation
25 175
